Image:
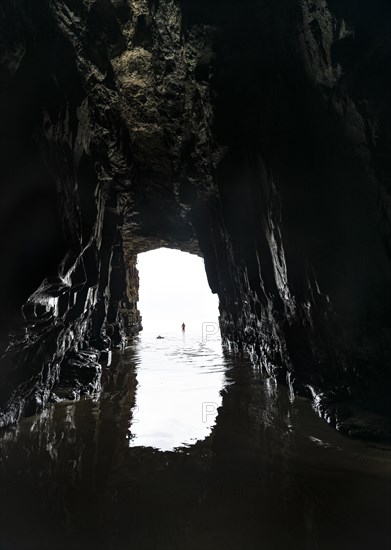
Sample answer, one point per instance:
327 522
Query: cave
255 134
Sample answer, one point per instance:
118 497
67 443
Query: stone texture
253 133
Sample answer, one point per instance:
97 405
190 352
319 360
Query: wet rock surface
80 374
255 133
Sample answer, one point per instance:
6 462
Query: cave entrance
174 289
180 375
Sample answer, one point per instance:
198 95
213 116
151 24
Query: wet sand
263 472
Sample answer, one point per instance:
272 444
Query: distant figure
183 327
160 338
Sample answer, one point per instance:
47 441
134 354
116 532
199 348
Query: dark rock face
254 133
65 162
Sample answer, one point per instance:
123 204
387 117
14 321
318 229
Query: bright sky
174 289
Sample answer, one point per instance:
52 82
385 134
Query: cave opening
180 374
173 290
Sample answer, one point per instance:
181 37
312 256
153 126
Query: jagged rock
80 374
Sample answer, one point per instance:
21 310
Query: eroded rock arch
253 133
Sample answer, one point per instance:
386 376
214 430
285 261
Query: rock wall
67 291
254 133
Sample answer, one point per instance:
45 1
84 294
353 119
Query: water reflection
270 474
178 393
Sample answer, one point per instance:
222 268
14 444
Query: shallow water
144 468
179 380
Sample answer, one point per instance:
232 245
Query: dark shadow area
271 473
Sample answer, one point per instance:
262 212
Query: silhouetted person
183 327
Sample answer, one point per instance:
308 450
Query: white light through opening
179 376
174 289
